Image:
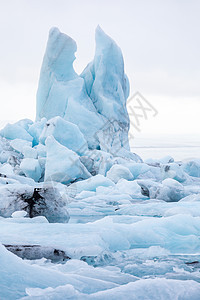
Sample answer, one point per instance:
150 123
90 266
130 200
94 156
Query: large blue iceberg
81 127
94 101
131 227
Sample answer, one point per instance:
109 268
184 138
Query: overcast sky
160 41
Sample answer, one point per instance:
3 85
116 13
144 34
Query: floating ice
29 152
31 168
18 144
15 131
168 190
61 91
63 165
192 168
36 129
117 172
66 133
173 170
108 87
95 102
137 223
91 184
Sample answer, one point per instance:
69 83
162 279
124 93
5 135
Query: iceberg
96 100
81 216
108 87
61 92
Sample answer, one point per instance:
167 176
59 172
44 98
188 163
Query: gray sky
160 42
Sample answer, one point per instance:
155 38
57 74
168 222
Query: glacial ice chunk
35 130
29 152
192 167
41 150
63 165
117 172
191 198
57 67
6 169
94 101
108 87
137 169
169 190
91 184
31 168
172 190
15 131
131 188
36 201
25 275
173 170
19 144
61 92
66 133
97 161
24 123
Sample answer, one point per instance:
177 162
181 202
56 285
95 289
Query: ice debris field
81 216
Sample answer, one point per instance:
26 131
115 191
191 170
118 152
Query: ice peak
91 100
57 66
60 54
103 39
54 31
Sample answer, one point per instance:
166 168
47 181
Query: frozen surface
153 289
81 216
